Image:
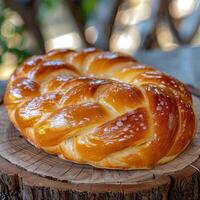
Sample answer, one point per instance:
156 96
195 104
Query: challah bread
100 108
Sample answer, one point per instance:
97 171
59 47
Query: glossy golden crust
100 108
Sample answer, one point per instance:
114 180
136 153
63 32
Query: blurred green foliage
48 4
87 7
83 7
45 6
19 48
11 30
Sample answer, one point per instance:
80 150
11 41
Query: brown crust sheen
100 108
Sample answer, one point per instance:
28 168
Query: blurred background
30 27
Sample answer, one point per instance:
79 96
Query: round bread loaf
100 108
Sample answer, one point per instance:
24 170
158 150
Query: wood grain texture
16 183
33 174
26 185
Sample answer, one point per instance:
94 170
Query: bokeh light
70 40
182 8
126 42
8 66
165 38
137 12
91 34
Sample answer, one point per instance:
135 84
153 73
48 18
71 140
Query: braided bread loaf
100 108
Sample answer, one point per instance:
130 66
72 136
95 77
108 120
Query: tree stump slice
29 173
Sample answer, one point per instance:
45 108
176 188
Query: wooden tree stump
29 173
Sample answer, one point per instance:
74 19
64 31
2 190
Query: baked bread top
100 108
